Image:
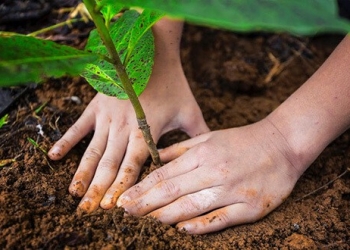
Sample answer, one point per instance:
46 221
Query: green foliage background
26 59
303 17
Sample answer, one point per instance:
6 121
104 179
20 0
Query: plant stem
127 85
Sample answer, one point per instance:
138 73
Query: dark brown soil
237 79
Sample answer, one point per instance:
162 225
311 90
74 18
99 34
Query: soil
237 79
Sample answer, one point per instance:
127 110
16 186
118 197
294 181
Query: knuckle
92 153
224 218
158 175
189 205
64 141
95 191
129 175
221 171
169 188
256 212
137 189
132 164
204 149
138 208
112 141
75 130
93 107
107 163
131 170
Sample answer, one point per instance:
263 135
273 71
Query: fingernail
106 203
77 188
86 205
55 151
184 227
122 200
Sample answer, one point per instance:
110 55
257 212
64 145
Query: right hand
218 179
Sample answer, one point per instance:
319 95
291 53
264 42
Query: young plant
36 145
118 58
41 149
4 120
133 69
40 108
117 62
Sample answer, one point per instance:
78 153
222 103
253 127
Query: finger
191 205
236 214
106 171
169 190
176 150
136 155
74 134
89 162
165 172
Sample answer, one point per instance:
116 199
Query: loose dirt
237 79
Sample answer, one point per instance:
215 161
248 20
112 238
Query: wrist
318 112
306 127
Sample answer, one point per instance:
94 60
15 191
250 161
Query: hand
113 159
217 180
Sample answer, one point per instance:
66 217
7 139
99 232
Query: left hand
219 179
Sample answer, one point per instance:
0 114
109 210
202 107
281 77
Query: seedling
118 58
36 145
325 185
4 120
41 149
40 108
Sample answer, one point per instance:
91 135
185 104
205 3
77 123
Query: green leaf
134 42
142 25
299 17
27 59
4 120
109 8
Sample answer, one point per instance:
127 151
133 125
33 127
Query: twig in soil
278 67
55 126
80 9
74 12
5 162
275 70
325 185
